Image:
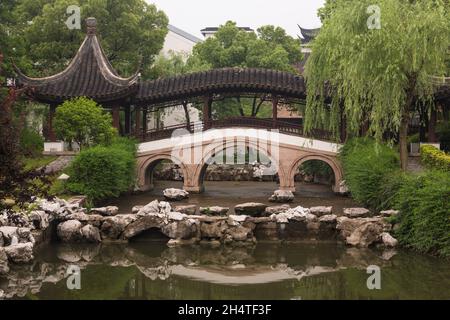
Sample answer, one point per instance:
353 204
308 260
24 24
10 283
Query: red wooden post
51 115
275 111
144 121
138 132
207 113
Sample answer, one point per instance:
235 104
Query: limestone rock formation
175 194
282 196
250 209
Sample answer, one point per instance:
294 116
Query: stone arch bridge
193 153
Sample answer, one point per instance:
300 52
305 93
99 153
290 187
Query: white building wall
177 43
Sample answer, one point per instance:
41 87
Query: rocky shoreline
70 222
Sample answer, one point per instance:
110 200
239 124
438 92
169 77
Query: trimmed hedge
434 158
423 202
367 167
104 171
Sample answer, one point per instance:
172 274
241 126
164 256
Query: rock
213 230
79 215
106 211
95 220
250 209
233 219
188 209
113 227
321 211
343 189
4 268
214 211
49 206
282 196
15 235
389 213
388 240
277 209
240 233
20 253
69 231
150 208
136 209
347 226
2 242
91 234
175 194
299 214
77 202
40 219
365 235
356 212
183 230
331 218
142 224
176 216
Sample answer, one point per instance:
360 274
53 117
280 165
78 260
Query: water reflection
267 271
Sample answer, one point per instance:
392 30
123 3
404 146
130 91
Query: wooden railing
241 122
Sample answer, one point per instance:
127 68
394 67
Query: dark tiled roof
308 34
89 74
229 80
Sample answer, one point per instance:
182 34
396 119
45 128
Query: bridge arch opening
162 171
316 170
238 164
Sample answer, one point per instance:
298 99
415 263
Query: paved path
414 164
58 165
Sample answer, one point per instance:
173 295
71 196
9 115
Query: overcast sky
194 15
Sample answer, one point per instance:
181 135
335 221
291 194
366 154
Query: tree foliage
366 165
270 47
83 121
128 30
375 75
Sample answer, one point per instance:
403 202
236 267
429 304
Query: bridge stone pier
193 152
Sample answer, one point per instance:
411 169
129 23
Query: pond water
229 194
151 270
148 269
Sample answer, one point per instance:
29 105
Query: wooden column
51 114
128 119
144 121
116 117
275 111
207 113
138 121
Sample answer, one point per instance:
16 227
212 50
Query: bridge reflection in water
267 271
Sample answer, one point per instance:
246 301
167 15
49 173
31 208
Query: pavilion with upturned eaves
89 74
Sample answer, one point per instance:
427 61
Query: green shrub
367 166
31 143
423 201
434 158
317 167
83 121
103 171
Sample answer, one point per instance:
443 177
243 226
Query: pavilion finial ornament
91 24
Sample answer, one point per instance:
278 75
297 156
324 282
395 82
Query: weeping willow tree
372 66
